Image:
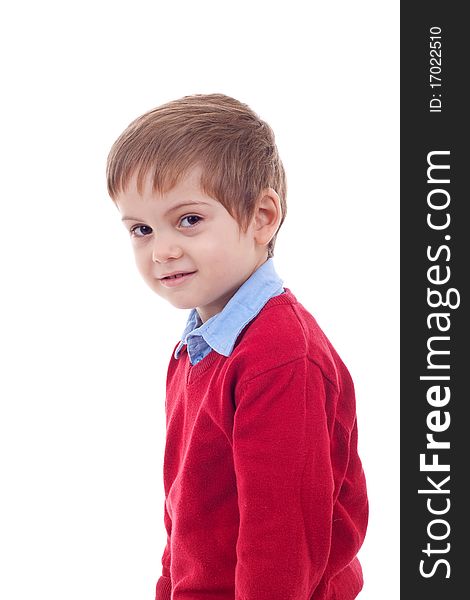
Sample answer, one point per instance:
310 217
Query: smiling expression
186 231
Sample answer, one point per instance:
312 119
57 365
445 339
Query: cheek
143 262
215 256
220 243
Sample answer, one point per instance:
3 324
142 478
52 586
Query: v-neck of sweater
194 372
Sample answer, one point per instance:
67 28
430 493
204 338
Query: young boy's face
184 230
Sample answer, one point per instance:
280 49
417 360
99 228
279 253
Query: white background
85 343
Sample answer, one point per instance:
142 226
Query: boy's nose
163 250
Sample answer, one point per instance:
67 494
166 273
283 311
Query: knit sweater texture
265 495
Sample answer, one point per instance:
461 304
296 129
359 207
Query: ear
267 216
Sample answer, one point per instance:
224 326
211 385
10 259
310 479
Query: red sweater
265 496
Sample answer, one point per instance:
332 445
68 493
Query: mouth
176 279
178 275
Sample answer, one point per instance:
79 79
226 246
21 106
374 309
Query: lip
179 280
174 273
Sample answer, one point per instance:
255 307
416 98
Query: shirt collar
221 330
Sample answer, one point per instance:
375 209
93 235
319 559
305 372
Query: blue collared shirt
221 331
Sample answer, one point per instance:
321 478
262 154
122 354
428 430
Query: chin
181 305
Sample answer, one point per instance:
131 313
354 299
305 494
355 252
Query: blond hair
234 147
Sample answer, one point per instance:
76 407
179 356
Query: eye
191 220
145 228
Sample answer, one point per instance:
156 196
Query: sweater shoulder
283 332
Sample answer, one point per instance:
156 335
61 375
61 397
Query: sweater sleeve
163 588
285 483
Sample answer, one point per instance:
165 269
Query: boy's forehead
189 179
187 188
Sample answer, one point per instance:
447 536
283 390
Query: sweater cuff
163 590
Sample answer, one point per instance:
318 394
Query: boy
265 496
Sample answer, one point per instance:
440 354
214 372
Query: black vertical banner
435 336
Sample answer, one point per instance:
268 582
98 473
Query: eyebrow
173 208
